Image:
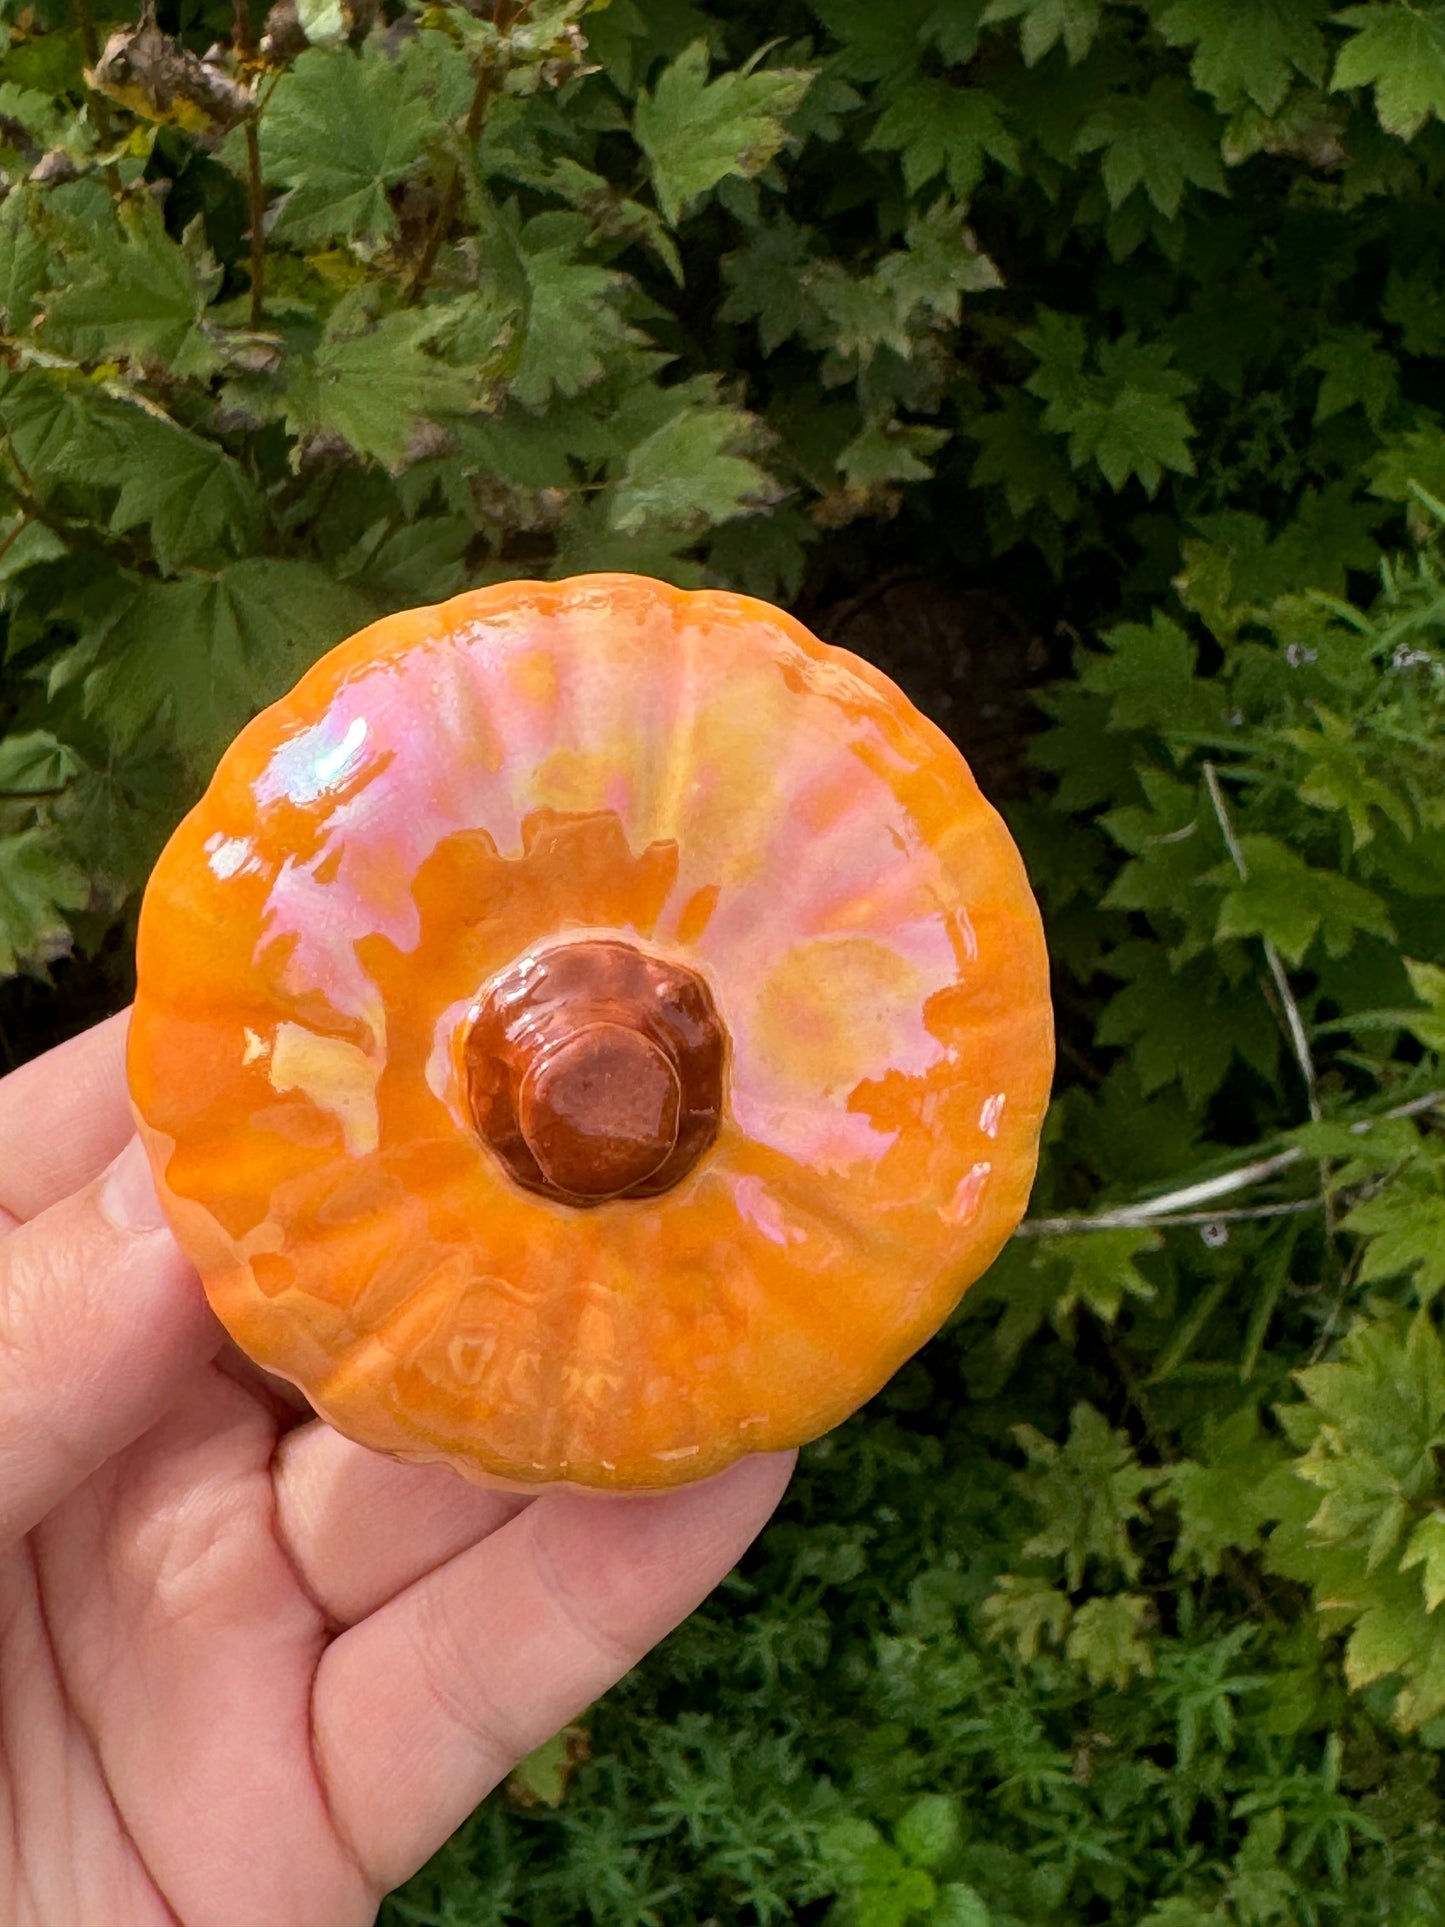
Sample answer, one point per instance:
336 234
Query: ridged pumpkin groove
462 797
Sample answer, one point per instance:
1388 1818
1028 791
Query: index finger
63 1118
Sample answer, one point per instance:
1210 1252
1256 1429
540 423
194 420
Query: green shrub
1124 1602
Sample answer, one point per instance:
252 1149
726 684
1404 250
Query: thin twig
22 522
255 190
1175 1207
451 190
1294 1022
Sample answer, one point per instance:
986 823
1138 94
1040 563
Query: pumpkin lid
590 1030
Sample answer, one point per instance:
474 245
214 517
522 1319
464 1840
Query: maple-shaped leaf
340 129
1151 674
1027 1611
1125 414
1399 50
1405 1225
574 325
1356 369
891 451
38 883
1240 1483
767 281
1161 141
193 497
938 129
1382 1404
1337 772
696 132
132 293
1412 304
1107 1639
690 472
1185 1021
1291 904
1099 1270
1086 1493
1044 23
1248 53
372 381
878 43
208 651
1020 456
1426 1549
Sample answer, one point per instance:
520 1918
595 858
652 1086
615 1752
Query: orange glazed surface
540 762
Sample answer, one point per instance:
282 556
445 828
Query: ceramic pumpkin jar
590 1031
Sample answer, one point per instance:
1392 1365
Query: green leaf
1239 1484
1160 141
195 500
338 131
1086 1494
1427 1549
891 452
1185 1020
373 382
767 282
1248 53
929 1831
691 473
574 327
1405 1226
1018 455
1356 369
1291 904
1026 1611
1106 1639
23 258
34 764
1047 22
1099 1270
208 651
1428 983
1399 50
960 1905
938 129
1151 676
134 294
38 883
1127 418
697 132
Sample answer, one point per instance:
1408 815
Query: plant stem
1294 1022
90 47
1176 1207
451 189
255 189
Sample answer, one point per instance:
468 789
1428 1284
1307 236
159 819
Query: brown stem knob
595 1071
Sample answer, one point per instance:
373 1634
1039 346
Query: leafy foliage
1125 1601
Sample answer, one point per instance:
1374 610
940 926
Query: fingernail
128 1194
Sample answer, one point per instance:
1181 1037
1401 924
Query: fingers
100 1318
421 1709
63 1117
359 1528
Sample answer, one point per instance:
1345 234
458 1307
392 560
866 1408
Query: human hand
252 1675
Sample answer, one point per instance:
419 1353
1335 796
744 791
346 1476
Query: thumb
100 1318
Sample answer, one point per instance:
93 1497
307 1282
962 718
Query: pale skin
252 1675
